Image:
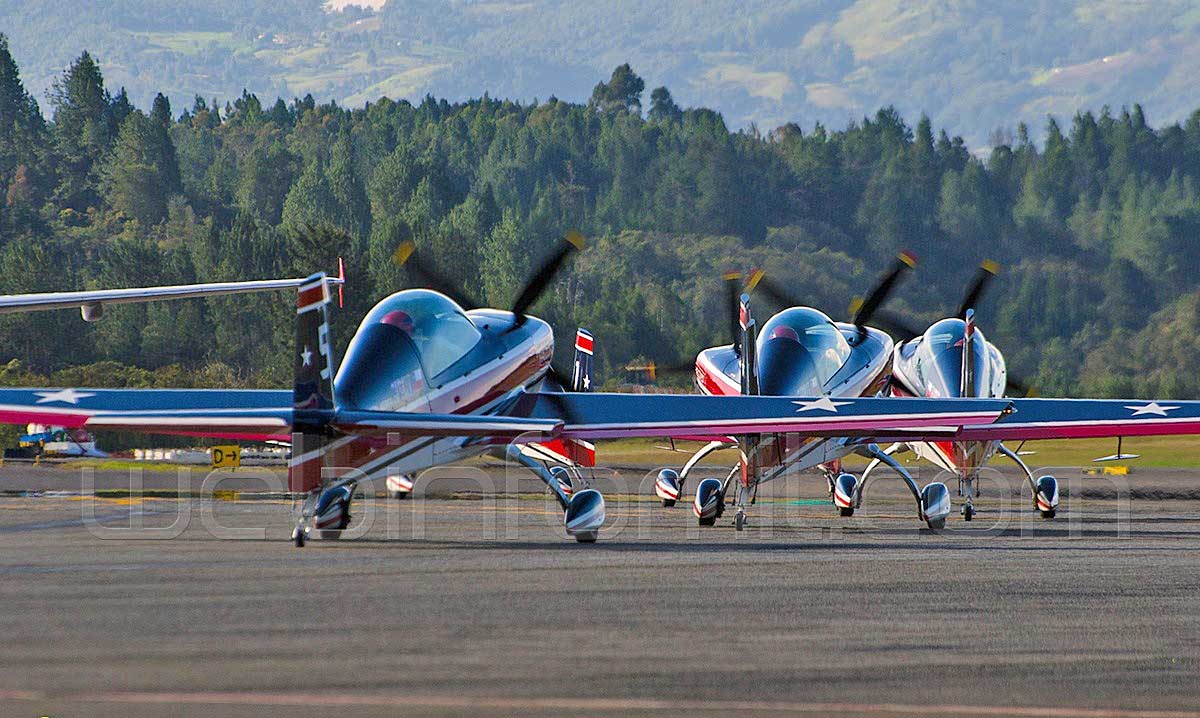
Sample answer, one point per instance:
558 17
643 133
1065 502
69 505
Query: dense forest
1095 227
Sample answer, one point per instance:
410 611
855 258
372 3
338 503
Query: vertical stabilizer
581 375
312 390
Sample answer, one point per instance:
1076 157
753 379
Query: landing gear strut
583 511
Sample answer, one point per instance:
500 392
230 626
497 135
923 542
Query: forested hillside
973 66
1096 228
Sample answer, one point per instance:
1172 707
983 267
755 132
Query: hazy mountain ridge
972 66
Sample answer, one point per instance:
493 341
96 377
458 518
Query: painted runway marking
585 704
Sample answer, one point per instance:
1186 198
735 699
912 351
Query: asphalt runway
140 607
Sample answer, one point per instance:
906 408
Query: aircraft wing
251 414
91 301
607 416
1089 418
247 414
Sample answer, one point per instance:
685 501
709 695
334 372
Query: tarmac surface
120 606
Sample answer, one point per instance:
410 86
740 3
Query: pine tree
82 130
140 174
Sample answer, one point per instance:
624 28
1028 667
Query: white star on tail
66 396
306 356
822 404
1152 408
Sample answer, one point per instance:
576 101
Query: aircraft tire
668 503
845 511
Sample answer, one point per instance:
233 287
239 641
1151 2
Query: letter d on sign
226 457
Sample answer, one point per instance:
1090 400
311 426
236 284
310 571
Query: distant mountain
973 66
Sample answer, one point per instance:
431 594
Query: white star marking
822 404
1152 408
306 356
587 382
66 396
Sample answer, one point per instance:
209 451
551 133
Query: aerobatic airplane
425 383
800 351
953 358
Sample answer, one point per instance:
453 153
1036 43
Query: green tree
623 91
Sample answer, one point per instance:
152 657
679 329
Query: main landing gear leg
583 511
1045 489
933 502
861 489
669 485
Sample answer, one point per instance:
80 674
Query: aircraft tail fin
581 375
312 390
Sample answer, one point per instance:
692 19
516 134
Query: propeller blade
559 400
867 308
898 328
653 370
733 291
572 243
775 293
1018 388
406 256
560 377
987 271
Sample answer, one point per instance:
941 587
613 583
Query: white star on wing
306 356
66 396
822 404
1152 408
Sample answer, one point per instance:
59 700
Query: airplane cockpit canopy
940 359
407 339
799 351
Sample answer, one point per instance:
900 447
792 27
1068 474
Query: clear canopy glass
940 360
439 329
799 351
